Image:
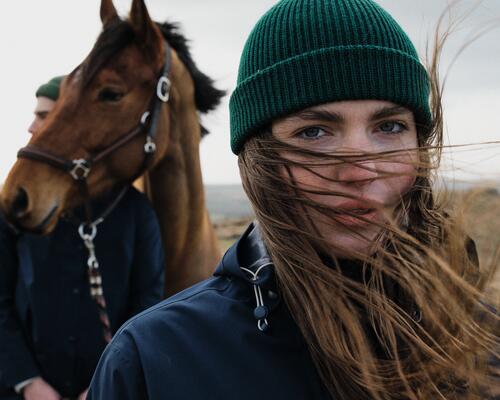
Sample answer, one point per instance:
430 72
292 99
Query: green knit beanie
50 89
303 53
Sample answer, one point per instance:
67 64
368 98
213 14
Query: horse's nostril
20 204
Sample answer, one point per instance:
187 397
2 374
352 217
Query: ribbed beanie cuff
388 70
326 75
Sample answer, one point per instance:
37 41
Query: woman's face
368 189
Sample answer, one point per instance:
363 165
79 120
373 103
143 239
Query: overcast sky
41 39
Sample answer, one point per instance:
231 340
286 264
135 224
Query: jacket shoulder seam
165 303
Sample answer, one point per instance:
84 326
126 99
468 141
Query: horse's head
101 103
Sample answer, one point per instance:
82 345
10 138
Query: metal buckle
88 241
149 146
163 89
80 169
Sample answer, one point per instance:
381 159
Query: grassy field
229 230
482 218
483 223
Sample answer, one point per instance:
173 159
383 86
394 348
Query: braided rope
95 278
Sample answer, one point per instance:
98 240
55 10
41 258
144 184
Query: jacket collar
249 262
248 254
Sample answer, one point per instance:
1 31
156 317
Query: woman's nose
357 163
357 171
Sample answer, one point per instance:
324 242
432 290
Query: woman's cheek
408 183
402 184
305 178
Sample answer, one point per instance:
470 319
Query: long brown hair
413 323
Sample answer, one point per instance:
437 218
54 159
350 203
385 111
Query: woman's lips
357 213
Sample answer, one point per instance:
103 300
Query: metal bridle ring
80 170
163 89
145 117
87 236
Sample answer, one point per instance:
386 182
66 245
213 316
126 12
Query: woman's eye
392 127
110 95
312 133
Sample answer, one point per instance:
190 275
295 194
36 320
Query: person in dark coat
51 335
355 282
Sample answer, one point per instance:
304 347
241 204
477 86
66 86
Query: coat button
76 291
72 339
260 312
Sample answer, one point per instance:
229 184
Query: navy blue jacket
210 341
204 343
49 324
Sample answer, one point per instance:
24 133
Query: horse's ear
108 12
144 26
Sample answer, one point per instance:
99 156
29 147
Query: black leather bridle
80 168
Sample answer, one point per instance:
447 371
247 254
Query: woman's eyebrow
389 112
331 116
320 115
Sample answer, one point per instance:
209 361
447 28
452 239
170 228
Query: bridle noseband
80 168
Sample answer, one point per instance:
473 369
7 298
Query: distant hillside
227 202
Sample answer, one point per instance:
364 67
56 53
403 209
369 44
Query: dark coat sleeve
119 375
16 360
147 276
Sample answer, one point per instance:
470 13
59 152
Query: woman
354 283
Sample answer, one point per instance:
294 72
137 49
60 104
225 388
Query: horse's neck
177 193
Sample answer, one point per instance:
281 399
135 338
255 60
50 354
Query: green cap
304 53
50 89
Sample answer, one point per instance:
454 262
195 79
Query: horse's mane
207 96
119 34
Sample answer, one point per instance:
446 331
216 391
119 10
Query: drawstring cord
261 311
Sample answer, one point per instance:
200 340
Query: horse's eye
110 95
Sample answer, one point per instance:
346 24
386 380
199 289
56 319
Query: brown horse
100 123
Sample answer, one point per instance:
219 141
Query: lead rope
95 279
261 311
88 232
